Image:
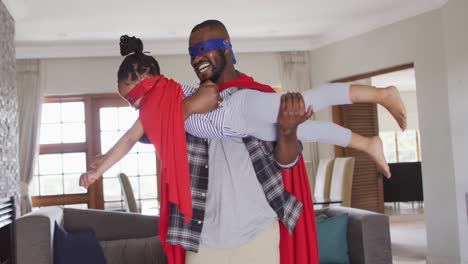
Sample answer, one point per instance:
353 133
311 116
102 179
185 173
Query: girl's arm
116 153
205 99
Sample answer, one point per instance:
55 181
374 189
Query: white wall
99 75
388 123
418 40
455 20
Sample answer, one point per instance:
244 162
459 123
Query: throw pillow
333 239
76 248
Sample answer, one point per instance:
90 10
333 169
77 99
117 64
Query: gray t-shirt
236 207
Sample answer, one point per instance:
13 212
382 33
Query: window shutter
367 191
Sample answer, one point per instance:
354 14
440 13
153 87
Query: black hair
211 24
136 62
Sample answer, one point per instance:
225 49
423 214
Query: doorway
401 197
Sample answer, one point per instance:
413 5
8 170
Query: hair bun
129 45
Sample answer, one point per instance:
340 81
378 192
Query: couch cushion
135 251
76 248
332 239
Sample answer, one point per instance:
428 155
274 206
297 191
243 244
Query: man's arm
291 113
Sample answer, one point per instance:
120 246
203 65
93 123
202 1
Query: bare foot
375 151
391 100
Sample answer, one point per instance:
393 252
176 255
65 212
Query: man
237 187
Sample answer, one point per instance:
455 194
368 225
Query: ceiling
66 28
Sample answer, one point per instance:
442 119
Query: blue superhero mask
209 45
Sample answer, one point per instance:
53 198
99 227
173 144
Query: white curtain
30 97
295 72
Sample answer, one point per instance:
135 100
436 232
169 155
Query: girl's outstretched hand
88 178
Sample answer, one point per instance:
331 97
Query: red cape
162 117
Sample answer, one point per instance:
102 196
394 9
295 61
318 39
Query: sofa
132 238
368 235
124 237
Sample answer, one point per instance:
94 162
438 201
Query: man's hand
204 100
88 178
292 113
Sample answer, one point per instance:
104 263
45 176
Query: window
63 123
139 165
62 154
389 145
75 129
58 174
401 146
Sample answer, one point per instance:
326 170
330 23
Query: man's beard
218 68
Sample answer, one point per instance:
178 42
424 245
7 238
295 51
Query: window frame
94 197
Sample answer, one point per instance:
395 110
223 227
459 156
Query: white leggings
255 113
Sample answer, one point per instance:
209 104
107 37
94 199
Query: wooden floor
408 233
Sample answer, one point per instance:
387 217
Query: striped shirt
210 125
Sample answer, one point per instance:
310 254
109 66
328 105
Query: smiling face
212 64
